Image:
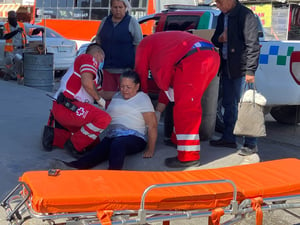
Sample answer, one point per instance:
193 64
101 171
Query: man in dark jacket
236 36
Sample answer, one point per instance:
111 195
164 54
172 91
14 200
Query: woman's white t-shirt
128 112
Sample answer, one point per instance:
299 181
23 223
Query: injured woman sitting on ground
133 128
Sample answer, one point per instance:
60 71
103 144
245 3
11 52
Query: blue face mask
101 65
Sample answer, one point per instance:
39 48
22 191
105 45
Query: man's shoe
222 143
72 150
48 137
249 159
245 150
174 162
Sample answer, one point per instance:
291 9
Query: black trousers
113 149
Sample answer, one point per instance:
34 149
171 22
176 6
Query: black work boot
174 162
48 137
72 150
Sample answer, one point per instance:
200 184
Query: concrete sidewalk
25 111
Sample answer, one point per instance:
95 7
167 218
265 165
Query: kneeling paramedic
182 65
74 122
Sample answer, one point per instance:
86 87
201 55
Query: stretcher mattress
97 190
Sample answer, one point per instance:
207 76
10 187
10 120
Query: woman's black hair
132 75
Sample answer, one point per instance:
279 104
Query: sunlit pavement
24 112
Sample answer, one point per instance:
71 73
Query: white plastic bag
252 95
251 118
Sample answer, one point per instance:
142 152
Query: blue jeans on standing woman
232 89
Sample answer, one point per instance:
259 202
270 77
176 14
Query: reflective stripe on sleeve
94 128
85 132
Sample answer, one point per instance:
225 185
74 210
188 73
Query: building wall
274 17
280 19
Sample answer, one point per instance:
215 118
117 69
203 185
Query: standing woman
118 34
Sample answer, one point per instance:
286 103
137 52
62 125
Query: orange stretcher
143 197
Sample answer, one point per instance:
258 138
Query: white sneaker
249 159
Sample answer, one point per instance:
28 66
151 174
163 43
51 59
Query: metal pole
44 33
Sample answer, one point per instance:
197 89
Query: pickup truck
278 73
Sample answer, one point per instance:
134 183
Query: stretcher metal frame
18 208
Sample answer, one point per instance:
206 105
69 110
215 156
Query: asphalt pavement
25 110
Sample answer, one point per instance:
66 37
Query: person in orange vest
15 40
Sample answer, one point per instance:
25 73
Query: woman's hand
148 154
151 123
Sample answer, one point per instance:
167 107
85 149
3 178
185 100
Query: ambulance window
149 26
181 22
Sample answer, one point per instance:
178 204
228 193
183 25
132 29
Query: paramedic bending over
133 128
182 66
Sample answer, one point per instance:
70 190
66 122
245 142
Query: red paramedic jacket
159 53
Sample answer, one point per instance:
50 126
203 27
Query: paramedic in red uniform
81 121
182 65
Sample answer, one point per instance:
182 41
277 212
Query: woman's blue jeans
232 89
114 149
